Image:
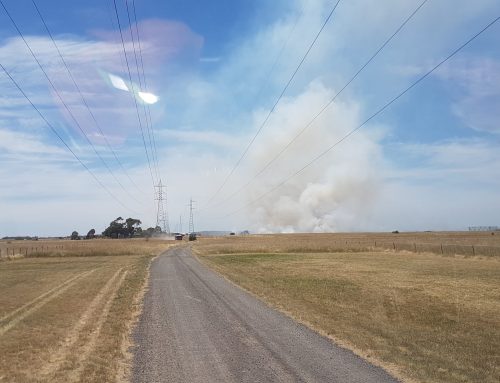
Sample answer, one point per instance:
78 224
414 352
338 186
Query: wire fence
419 247
33 249
17 251
441 248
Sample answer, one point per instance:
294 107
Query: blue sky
429 162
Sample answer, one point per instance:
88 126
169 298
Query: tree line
122 228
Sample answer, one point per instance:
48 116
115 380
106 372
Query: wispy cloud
479 82
210 59
24 143
205 118
211 138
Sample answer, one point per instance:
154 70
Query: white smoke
335 193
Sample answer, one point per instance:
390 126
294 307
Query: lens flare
148 98
118 82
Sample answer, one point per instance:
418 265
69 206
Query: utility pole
180 224
161 212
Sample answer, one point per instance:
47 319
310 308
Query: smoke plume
336 192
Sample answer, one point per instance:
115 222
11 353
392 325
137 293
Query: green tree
90 234
115 228
132 225
120 228
74 236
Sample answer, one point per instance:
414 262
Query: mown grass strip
72 330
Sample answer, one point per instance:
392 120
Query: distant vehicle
179 237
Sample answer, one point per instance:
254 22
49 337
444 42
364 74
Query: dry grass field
82 248
65 316
446 243
426 317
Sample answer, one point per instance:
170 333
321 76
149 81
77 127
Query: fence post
473 250
415 247
394 246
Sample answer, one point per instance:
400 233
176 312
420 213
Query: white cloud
462 162
479 82
451 185
194 137
354 188
23 143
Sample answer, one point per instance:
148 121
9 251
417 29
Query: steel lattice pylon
191 221
161 212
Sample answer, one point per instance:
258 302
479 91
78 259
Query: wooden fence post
394 246
473 250
415 247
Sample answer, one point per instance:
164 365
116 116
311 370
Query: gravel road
197 327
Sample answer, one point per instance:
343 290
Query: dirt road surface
198 327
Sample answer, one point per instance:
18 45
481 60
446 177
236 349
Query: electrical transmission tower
161 212
191 221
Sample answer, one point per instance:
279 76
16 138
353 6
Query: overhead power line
155 150
84 100
61 99
162 209
54 131
311 45
132 94
379 111
265 83
326 106
141 88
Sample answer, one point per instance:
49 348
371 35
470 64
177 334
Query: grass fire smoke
333 194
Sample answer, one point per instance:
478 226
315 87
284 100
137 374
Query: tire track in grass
42 301
38 298
64 349
87 349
